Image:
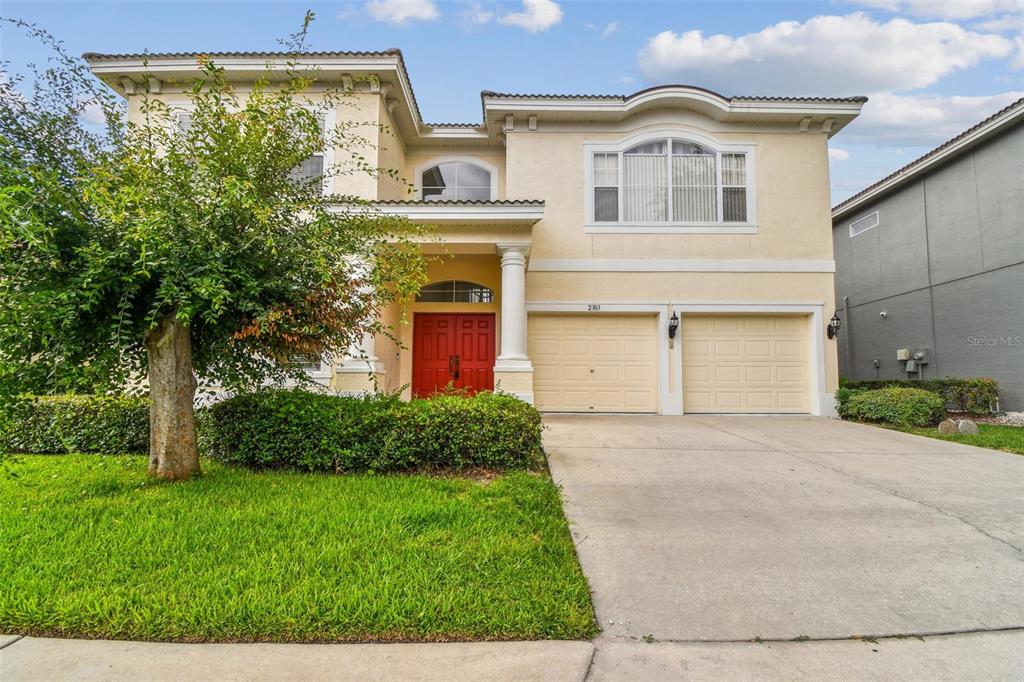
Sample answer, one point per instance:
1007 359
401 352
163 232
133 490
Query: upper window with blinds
312 167
671 181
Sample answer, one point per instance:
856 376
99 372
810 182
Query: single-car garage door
594 363
745 363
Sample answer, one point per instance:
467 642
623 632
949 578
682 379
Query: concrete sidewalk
983 656
60 660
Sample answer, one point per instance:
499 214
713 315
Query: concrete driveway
747 529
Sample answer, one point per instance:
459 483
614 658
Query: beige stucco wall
392 157
792 193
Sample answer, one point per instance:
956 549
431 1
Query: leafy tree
151 251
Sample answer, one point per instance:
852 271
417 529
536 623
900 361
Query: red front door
452 349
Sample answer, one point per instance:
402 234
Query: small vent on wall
864 224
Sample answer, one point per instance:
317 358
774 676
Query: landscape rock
966 426
947 426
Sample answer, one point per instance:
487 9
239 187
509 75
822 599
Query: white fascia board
157 64
528 214
658 265
978 136
449 133
613 106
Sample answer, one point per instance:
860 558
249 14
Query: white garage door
594 363
745 363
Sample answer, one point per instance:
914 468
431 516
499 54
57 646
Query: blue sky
931 68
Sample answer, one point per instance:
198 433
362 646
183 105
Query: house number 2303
593 307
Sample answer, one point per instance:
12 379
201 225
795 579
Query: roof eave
937 157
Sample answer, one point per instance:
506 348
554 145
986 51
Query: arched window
456 180
455 291
670 180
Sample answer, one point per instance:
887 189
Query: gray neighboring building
931 260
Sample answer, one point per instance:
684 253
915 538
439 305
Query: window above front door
455 291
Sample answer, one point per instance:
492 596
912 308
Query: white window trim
748 148
327 153
490 168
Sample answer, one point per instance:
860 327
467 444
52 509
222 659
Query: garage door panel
791 374
758 349
745 363
758 374
789 349
605 363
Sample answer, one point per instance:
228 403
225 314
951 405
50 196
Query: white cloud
921 120
475 15
954 10
628 80
537 15
610 28
402 11
93 113
1018 59
1005 24
826 55
837 154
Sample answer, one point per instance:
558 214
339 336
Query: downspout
847 349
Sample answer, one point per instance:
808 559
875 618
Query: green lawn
90 548
994 436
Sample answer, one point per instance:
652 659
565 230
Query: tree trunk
173 454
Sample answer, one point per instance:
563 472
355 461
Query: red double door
452 349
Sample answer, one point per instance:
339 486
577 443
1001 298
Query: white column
513 357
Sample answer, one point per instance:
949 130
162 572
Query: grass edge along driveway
992 436
90 548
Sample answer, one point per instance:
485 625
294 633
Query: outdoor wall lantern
673 325
833 325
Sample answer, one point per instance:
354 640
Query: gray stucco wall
946 265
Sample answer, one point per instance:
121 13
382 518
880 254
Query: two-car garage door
730 363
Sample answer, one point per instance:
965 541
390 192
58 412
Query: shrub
843 396
973 396
75 423
316 432
902 406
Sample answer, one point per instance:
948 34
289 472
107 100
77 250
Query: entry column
513 372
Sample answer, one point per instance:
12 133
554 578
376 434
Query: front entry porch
467 328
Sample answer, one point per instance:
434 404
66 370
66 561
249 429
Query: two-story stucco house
667 252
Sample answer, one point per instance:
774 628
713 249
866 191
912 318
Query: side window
456 181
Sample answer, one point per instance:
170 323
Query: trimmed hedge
901 406
75 423
315 432
973 396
